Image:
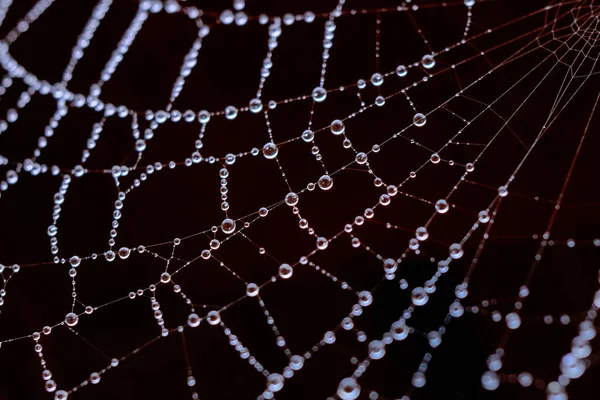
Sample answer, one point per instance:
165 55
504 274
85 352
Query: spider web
344 200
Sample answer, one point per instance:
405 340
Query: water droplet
319 94
428 61
270 150
322 243
513 321
285 271
252 290
456 251
419 119
231 112
401 70
399 330
165 277
193 320
325 182
376 350
377 79
418 379
337 127
296 362
365 298
255 106
456 309
228 226
421 233
71 319
213 317
390 265
291 199
525 379
308 136
490 380
348 389
203 116
483 217
124 252
361 158
275 382
441 206
110 256
419 296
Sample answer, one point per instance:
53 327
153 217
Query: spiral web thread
567 40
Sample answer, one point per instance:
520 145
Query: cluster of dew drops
572 365
348 388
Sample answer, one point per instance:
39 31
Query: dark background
185 201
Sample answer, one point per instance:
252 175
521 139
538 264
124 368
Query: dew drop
71 319
325 182
228 226
419 119
319 94
441 206
270 150
337 127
